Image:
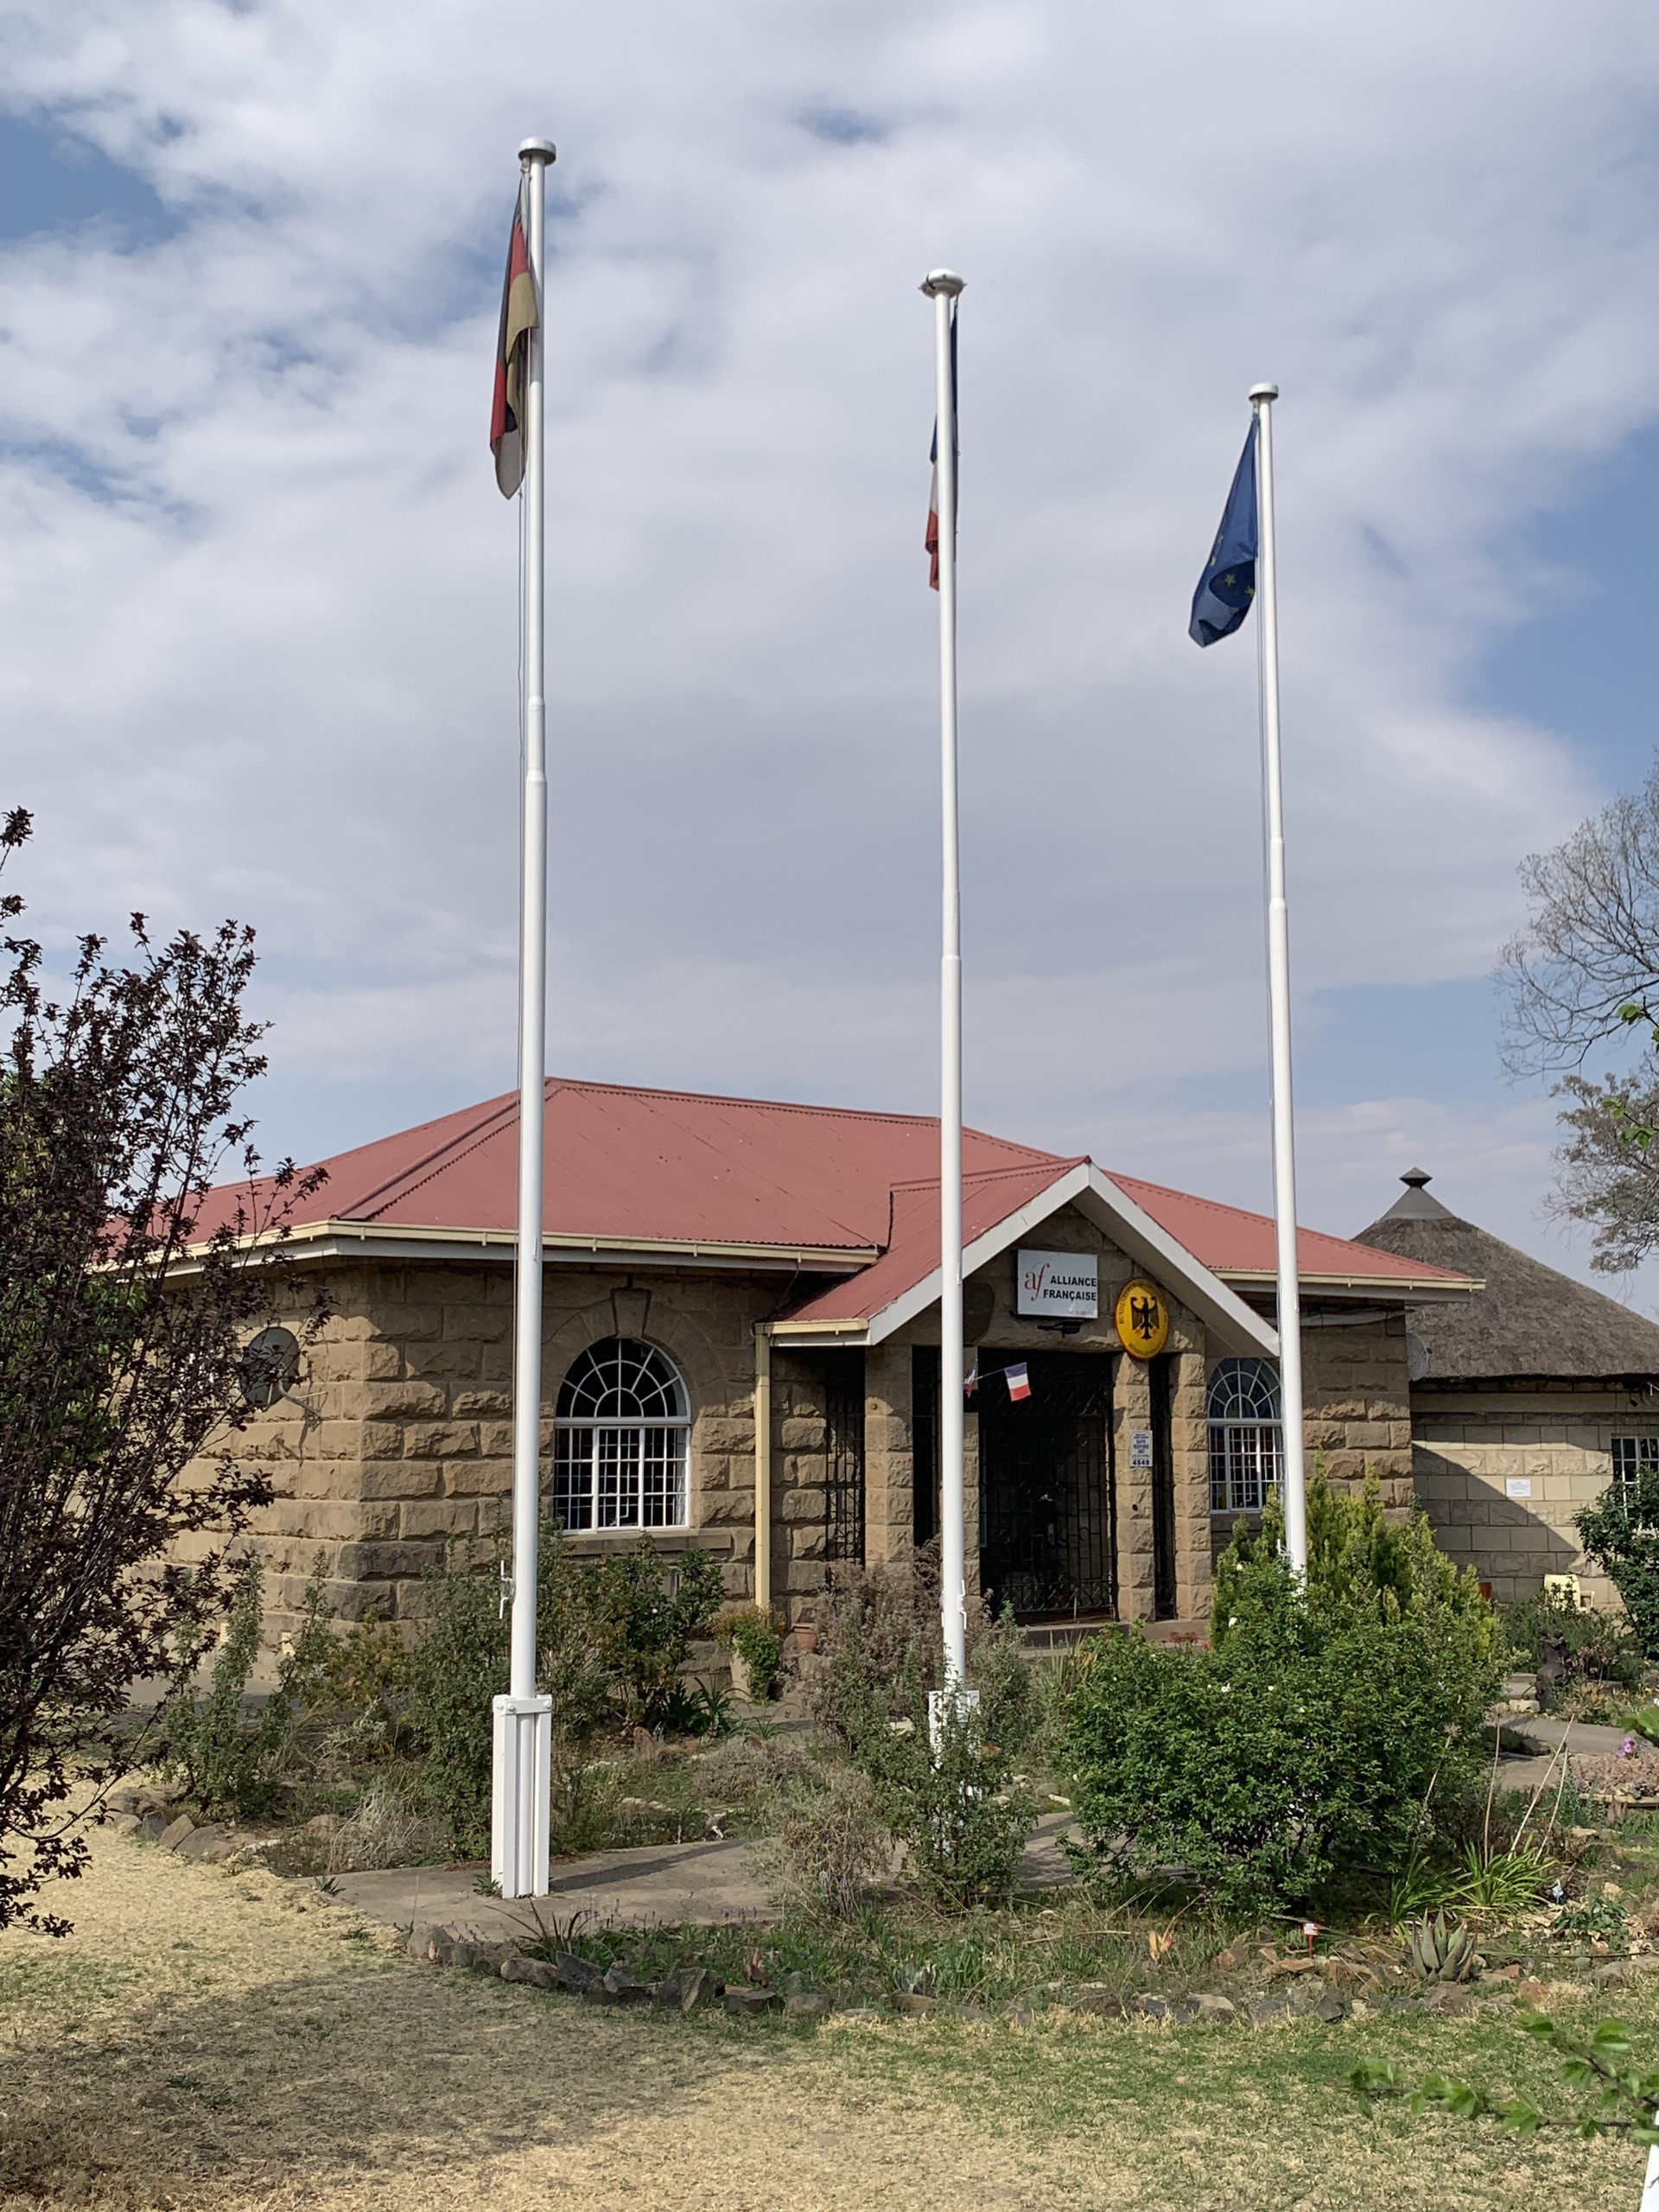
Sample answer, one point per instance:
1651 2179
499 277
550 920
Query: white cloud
260 586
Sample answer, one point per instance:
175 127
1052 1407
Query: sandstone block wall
1357 1412
397 1442
1357 1400
394 1447
1474 1448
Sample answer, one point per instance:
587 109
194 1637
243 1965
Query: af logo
1142 1319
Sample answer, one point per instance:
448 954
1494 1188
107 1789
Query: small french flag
1018 1380
970 1381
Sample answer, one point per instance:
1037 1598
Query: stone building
741 1353
1526 1401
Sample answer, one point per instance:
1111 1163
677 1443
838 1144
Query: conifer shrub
1328 1731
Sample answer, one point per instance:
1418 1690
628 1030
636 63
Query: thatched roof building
1527 1400
1531 1321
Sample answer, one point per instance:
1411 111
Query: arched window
1244 1435
619 1444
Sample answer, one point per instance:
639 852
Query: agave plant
1440 1953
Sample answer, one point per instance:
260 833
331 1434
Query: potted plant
754 1637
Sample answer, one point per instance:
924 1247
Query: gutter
1406 1290
372 1240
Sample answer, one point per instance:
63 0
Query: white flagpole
943 288
1293 1476
524 1723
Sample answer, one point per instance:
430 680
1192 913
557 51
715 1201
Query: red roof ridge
410 1178
1055 1160
789 1106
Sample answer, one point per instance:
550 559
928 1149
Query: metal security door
1047 1501
843 1459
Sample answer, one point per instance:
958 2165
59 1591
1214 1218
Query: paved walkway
1521 1771
670 1884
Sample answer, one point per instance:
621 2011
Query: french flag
520 314
1018 1380
930 544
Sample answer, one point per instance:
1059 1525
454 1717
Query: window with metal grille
619 1439
1634 1456
843 1458
924 1442
1244 1435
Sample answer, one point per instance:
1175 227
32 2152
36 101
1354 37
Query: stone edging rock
688 1989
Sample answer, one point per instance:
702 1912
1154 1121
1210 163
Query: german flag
520 314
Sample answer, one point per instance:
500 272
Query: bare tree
1584 971
122 1334
1608 1170
1586 965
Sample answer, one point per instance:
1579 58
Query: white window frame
626 1465
1246 1435
1632 1457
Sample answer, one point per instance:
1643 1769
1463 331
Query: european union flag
1228 584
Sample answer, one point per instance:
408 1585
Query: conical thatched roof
1530 1320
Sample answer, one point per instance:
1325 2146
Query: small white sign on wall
1066 1283
1518 1486
1140 1448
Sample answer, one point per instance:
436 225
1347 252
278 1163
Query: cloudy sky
258 585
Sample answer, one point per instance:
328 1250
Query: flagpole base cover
521 1794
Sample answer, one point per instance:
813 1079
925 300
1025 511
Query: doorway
1048 1495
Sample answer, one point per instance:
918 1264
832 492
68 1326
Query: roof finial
1416 1179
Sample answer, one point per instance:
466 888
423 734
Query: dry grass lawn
229 2041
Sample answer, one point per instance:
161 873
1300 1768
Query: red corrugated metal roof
660 1165
626 1165
1229 1241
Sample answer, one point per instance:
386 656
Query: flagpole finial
943 281
1261 391
537 150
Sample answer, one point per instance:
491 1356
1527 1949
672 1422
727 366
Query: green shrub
952 1799
459 1665
642 1635
230 1760
1264 1768
610 1641
1319 1735
958 1806
1597 1919
1620 1535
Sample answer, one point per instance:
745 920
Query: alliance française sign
1064 1283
